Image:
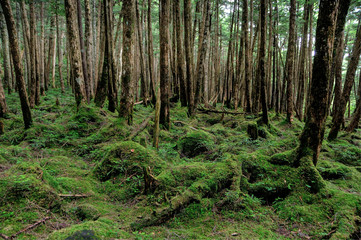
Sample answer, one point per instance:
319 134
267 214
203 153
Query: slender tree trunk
5 53
3 106
151 54
144 91
180 55
164 63
189 54
88 46
127 95
32 48
60 54
82 52
357 114
350 78
14 47
313 132
302 63
74 51
202 52
248 58
290 61
51 53
262 58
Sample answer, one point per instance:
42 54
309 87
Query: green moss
310 175
349 156
103 229
284 158
195 143
333 170
127 158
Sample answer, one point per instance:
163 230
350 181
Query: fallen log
219 177
206 110
140 128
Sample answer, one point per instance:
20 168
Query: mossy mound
102 228
195 143
127 158
24 181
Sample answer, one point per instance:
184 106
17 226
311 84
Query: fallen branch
4 236
140 128
73 195
204 110
25 229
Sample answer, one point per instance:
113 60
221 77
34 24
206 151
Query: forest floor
86 173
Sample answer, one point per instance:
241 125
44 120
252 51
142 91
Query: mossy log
218 177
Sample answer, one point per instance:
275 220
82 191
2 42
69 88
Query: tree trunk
302 63
144 91
151 54
5 53
14 47
180 55
202 52
83 53
88 46
262 58
189 54
350 78
357 114
164 63
290 61
313 132
3 106
248 58
74 51
51 53
60 54
127 95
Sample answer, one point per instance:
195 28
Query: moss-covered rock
195 143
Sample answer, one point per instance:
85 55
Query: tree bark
14 47
290 61
5 53
350 78
189 54
202 52
88 46
127 95
313 132
262 58
180 55
357 114
82 52
74 51
164 118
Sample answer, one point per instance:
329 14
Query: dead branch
73 195
25 229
